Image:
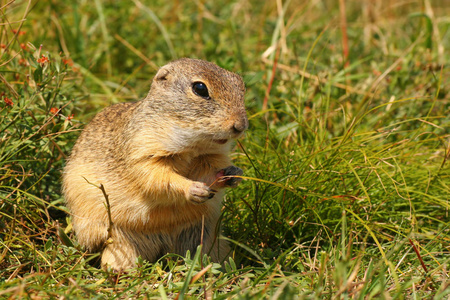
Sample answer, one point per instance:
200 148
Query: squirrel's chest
204 168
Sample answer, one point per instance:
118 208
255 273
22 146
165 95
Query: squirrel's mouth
221 142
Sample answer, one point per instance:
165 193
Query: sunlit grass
346 188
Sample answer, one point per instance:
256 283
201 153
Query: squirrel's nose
240 125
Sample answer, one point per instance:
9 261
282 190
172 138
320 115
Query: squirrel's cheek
179 139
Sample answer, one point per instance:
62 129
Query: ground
346 162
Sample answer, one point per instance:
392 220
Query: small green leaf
48 245
64 238
37 74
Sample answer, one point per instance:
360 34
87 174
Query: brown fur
156 159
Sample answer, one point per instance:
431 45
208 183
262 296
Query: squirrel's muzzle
240 125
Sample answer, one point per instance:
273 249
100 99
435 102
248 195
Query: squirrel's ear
162 74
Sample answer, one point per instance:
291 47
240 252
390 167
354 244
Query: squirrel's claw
200 193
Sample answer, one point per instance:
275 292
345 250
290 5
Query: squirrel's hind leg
126 246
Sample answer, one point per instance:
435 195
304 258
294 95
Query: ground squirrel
161 161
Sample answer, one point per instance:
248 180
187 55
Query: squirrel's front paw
200 192
229 181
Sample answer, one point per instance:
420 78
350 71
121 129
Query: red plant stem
418 255
272 77
344 32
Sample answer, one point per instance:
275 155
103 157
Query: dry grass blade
358 100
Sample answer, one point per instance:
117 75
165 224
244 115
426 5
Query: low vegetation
346 191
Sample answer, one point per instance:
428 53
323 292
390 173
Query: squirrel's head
201 103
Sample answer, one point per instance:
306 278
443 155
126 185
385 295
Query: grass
346 160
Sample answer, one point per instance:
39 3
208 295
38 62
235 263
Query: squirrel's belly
168 218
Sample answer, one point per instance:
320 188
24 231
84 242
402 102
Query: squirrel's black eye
200 89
